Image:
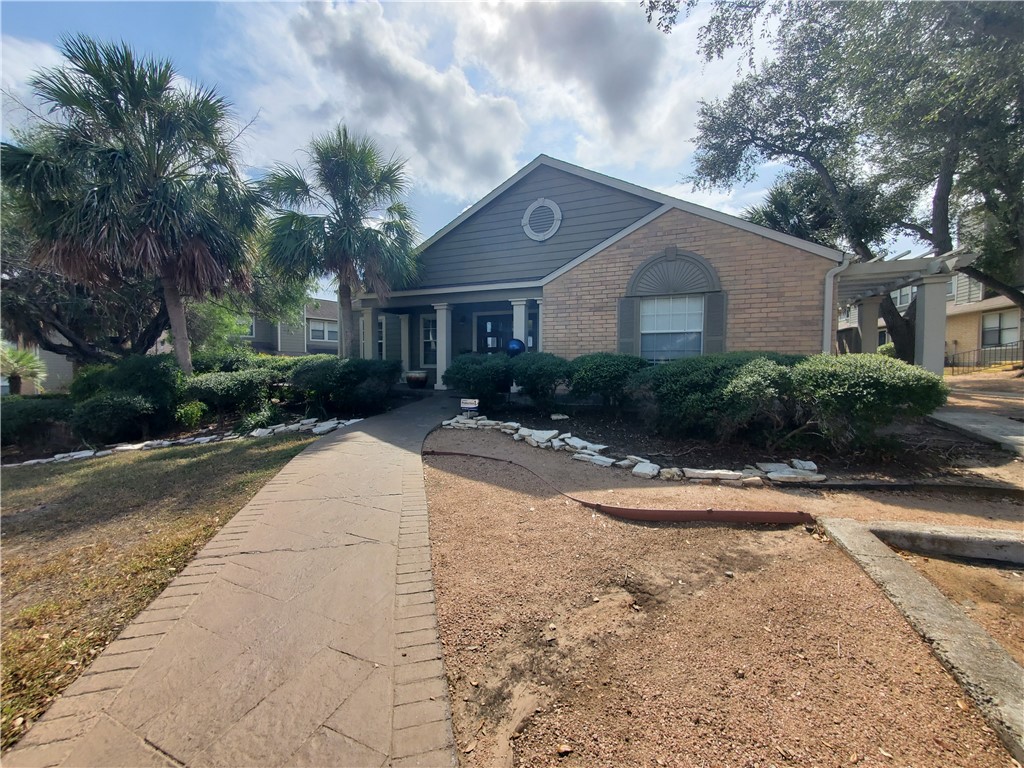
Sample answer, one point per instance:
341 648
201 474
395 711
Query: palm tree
343 217
20 365
133 175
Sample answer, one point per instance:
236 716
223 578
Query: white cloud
20 60
307 68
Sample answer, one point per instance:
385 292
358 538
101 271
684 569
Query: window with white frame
999 328
428 340
904 295
381 346
323 330
671 327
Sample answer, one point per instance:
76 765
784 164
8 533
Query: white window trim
382 329
421 339
326 339
654 333
1000 327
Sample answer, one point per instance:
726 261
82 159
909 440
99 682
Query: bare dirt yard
575 639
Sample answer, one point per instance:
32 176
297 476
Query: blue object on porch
515 347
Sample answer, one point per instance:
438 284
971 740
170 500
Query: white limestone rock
671 473
601 461
203 440
796 476
809 466
625 464
525 432
513 425
128 447
712 474
101 454
558 417
646 470
583 456
732 483
156 444
517 437
545 435
575 443
291 428
772 466
261 432
636 459
308 421
323 429
557 444
307 427
565 436
752 482
274 427
751 472
531 441
544 445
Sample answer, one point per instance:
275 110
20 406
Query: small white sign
469 405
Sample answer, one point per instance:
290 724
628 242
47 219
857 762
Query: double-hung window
671 327
999 328
323 330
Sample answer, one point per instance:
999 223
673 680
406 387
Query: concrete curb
982 667
953 541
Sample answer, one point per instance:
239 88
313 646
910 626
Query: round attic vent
542 219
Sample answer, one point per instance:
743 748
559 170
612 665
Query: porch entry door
493 332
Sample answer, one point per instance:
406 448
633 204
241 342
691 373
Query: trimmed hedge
112 417
486 378
540 374
237 358
24 419
605 374
850 396
349 386
157 378
230 392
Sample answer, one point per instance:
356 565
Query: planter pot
416 379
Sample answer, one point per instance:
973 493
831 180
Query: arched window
674 307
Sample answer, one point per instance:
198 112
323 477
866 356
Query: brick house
571 261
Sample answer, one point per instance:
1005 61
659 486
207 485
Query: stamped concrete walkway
303 634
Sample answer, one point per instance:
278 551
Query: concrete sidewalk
988 427
303 634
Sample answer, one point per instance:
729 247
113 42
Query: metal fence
986 357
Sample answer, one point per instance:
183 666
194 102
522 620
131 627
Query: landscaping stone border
797 471
316 427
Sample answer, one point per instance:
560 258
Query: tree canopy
134 178
343 216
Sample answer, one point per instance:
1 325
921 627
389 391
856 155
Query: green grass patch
87 545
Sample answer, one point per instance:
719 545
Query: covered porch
426 330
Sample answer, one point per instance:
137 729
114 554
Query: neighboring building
571 261
59 372
978 324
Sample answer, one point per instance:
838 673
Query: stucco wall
774 291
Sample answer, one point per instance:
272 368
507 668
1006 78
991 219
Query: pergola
866 284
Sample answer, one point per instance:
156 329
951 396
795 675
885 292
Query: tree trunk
14 385
900 327
1013 294
942 236
857 243
346 322
179 328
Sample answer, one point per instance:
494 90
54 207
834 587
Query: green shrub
887 350
605 374
191 414
112 417
758 399
157 378
268 414
486 378
540 374
24 419
230 392
850 396
89 381
689 394
223 360
351 386
281 365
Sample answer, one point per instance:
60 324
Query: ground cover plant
87 545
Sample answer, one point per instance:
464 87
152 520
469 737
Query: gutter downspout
830 278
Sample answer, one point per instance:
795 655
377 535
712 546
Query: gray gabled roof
658 197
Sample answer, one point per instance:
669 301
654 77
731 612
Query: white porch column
444 341
370 334
867 322
403 324
519 319
539 341
930 323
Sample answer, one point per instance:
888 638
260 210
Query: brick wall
774 291
965 330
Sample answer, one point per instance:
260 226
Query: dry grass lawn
87 545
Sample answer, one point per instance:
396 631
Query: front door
493 333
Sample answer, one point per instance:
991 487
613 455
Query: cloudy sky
467 92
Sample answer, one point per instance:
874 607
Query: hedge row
763 397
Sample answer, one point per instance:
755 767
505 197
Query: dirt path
622 644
